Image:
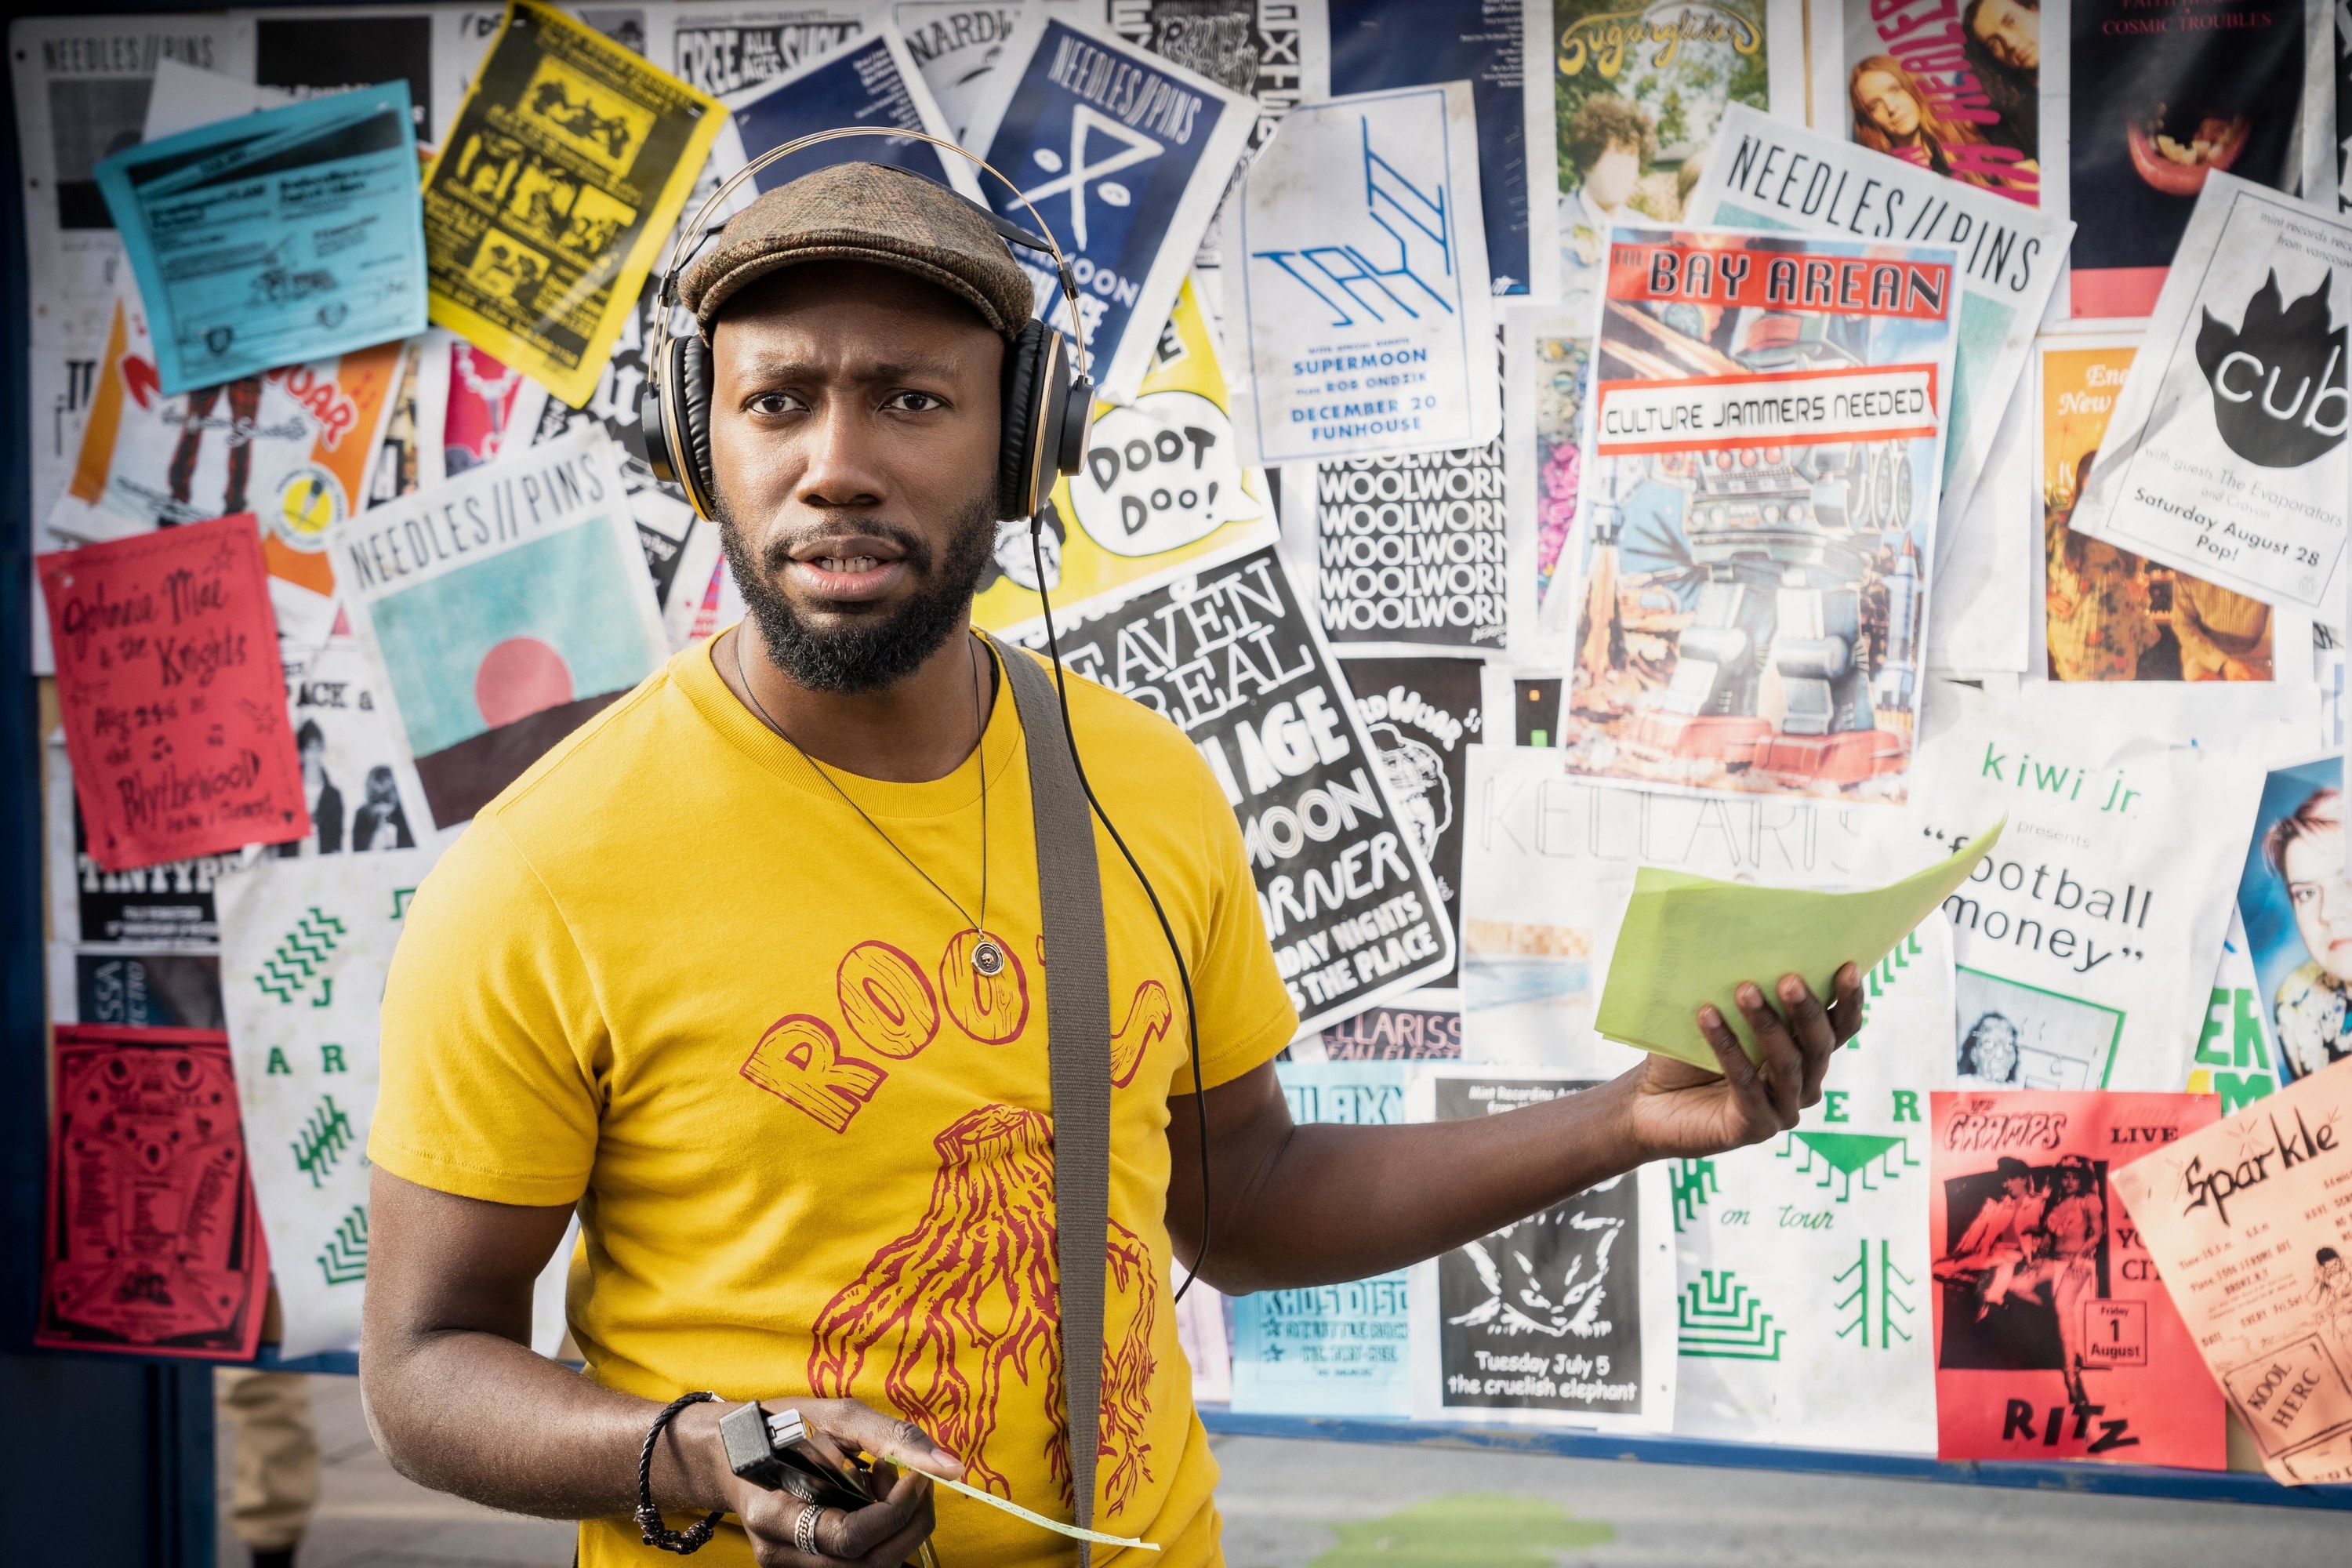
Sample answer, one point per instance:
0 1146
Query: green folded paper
1691 940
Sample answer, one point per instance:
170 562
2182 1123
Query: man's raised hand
1679 1110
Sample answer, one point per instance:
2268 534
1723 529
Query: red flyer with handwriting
174 701
2054 1337
154 1245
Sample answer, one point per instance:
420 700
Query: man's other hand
1684 1111
884 1533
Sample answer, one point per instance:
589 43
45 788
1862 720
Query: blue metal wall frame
123 1448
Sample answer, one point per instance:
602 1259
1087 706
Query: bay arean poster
507 605
1228 654
1757 507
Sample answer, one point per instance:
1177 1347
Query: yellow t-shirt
670 975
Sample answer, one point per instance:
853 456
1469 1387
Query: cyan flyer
275 238
1329 1350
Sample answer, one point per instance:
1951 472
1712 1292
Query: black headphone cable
1183 972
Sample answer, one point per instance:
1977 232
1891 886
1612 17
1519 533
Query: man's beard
875 649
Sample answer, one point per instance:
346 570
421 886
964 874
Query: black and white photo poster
1563 1319
1229 656
1422 716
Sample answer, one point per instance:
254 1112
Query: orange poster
2112 615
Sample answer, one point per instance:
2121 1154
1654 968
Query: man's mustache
916 550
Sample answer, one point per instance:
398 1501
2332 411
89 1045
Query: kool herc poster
2249 1222
2162 96
1758 503
2054 1337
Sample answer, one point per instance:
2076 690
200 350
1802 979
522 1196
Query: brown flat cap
865 212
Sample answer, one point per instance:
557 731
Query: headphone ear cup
1026 362
690 399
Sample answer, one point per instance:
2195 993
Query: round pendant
987 958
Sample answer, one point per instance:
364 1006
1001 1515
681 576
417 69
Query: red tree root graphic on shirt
971 1292
1148 1013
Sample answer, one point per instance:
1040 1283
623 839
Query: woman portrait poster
2296 902
1898 113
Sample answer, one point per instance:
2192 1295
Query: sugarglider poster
1564 1318
1758 504
2055 1338
1351 905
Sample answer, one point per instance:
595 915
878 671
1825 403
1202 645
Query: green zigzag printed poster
305 945
1801 1288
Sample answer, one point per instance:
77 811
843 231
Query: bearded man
749 972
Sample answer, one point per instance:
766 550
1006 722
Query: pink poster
154 1246
2054 1337
173 695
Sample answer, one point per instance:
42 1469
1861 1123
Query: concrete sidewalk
1336 1505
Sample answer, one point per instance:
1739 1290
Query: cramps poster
1564 1318
555 187
1762 449
2054 1337
1352 909
153 1243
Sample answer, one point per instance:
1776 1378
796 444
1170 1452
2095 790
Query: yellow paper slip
1039 1520
1689 940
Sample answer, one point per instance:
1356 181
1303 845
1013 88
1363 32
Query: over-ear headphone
1047 401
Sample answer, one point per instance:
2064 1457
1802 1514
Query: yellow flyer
553 193
1163 488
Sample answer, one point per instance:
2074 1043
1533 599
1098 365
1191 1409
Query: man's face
1612 176
2322 896
2335 1275
2010 32
853 418
2017 1186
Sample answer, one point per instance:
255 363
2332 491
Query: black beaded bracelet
694 1537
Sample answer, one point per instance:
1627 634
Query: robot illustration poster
1758 512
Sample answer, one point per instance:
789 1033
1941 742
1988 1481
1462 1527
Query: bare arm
1311 1205
457 1401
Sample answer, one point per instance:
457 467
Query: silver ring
805 1527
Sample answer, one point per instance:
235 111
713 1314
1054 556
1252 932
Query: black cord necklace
987 957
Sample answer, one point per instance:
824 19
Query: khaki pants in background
274 1447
